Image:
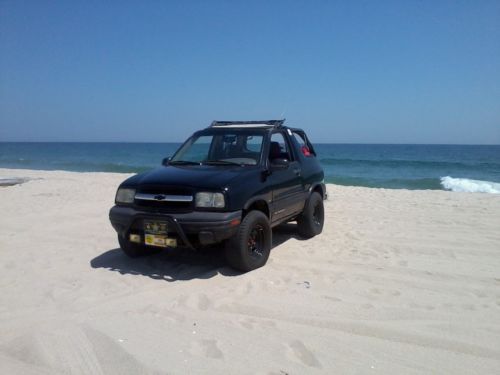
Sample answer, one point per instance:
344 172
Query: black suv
231 182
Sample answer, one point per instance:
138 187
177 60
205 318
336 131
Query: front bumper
190 229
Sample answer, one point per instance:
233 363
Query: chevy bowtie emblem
159 197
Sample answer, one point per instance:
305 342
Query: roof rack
234 124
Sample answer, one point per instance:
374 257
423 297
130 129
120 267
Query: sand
400 282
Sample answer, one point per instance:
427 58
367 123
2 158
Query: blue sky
348 72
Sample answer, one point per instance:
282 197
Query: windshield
221 149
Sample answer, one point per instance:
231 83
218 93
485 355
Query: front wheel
250 247
310 222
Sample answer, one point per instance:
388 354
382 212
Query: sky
345 71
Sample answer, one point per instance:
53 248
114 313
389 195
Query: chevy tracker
228 184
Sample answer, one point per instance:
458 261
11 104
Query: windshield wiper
221 162
183 162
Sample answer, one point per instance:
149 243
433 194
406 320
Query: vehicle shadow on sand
181 264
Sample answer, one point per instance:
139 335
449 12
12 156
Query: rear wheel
250 247
310 222
134 250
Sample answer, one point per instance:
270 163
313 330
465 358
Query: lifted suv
231 182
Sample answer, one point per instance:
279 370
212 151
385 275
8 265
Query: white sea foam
468 185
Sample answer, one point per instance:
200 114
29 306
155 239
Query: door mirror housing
166 161
279 164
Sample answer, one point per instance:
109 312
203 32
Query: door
287 185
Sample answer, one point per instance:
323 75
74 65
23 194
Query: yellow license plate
159 240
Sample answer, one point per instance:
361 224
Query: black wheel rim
255 243
318 214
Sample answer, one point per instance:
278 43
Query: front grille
165 205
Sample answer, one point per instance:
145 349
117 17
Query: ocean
435 167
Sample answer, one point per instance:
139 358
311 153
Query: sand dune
400 282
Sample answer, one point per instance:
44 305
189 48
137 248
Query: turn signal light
235 222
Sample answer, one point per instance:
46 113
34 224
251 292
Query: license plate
159 240
155 227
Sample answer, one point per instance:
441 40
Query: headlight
210 200
125 195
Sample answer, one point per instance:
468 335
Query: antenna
283 113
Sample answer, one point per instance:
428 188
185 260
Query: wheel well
318 190
257 206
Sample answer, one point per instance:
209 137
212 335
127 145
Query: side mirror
279 164
165 161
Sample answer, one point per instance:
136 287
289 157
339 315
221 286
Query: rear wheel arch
318 189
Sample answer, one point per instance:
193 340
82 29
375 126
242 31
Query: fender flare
321 186
259 198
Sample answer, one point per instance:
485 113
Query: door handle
296 171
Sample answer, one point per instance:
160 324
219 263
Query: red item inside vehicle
305 151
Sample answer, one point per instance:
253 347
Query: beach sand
399 282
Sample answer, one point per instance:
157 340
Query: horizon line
315 143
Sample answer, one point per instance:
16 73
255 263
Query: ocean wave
471 186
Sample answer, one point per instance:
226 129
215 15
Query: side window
303 145
279 147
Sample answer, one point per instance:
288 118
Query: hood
203 176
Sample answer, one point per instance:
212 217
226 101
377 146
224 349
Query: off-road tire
249 248
311 220
134 250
